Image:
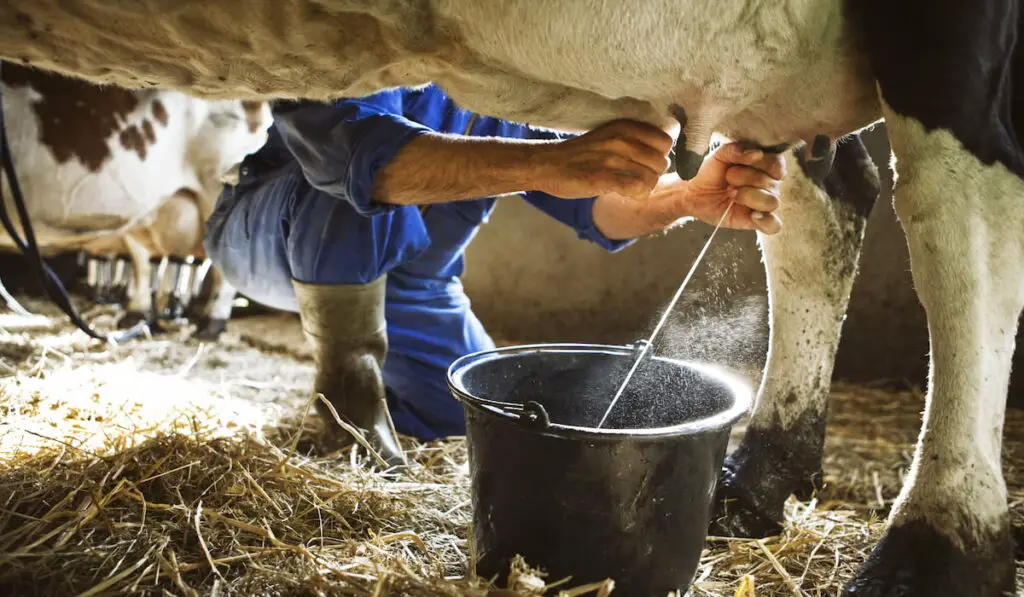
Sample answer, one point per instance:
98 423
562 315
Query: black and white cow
946 76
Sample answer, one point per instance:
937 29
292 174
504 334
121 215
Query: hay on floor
241 515
136 471
236 514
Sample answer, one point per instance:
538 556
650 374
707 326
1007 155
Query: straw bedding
166 467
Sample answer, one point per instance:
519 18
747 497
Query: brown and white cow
116 171
947 76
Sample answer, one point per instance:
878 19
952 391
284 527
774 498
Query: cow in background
114 171
170 275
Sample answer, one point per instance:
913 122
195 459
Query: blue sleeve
577 214
342 146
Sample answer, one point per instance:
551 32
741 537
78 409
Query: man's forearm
622 218
436 168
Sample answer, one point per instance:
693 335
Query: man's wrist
534 166
588 227
670 202
621 218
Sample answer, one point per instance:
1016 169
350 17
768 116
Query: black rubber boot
345 325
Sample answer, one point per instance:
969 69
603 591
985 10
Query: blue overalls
302 209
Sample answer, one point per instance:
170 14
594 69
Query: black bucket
630 501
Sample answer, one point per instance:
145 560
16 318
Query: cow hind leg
951 86
810 267
949 530
215 311
140 299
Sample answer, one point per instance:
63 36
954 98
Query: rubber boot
345 326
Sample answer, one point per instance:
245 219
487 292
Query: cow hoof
913 559
736 514
133 318
756 481
209 329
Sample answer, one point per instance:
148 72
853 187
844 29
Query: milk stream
664 317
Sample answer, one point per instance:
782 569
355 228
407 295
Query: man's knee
243 240
329 242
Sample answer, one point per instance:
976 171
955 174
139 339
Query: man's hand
749 179
622 157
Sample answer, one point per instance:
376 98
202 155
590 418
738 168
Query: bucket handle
530 413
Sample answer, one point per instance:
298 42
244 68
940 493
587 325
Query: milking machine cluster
174 283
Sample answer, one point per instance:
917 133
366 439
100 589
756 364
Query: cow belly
569 64
731 50
770 69
84 204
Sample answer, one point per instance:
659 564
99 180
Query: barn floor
172 467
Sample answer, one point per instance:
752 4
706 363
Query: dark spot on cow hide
159 112
252 114
148 132
950 65
131 139
76 118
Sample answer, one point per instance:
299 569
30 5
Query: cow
115 171
786 75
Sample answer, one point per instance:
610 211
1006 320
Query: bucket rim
739 389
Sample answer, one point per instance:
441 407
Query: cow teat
687 158
817 157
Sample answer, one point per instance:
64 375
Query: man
356 215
